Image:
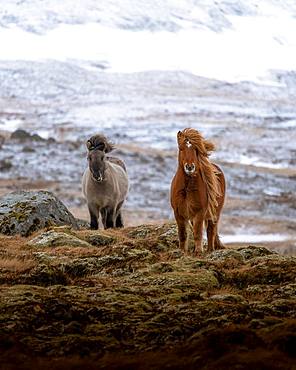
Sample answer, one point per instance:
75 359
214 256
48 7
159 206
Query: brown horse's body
197 191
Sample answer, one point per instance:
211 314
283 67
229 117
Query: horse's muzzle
189 168
98 178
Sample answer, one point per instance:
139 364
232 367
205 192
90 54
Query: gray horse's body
106 197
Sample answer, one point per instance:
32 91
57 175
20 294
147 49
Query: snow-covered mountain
227 40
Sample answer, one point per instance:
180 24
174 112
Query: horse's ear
179 135
89 145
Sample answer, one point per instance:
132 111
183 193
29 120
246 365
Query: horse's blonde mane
204 147
208 170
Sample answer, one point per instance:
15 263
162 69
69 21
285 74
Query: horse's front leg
182 232
94 225
197 232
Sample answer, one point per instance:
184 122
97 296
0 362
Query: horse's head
188 159
97 164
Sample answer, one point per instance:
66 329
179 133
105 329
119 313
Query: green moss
130 297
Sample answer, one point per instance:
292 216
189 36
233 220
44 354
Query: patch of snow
10 124
253 238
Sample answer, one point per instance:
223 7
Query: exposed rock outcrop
53 238
24 212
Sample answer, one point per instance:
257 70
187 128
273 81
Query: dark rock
22 135
5 165
28 149
2 141
25 212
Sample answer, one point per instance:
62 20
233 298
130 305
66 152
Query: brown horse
197 190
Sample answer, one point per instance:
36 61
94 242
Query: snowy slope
227 40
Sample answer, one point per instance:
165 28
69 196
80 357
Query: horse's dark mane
100 142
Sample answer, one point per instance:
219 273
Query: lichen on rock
53 238
24 212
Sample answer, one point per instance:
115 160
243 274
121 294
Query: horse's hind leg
119 220
211 235
218 243
214 241
94 225
110 218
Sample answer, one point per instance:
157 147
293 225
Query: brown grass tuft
15 264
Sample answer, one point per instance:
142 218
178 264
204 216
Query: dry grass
15 264
14 256
12 242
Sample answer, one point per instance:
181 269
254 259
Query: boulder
98 239
223 255
24 212
22 135
53 238
253 251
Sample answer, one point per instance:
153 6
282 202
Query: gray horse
105 187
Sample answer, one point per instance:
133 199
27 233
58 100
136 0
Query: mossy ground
130 299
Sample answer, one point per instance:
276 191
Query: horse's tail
210 177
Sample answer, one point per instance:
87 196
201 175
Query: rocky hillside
129 299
